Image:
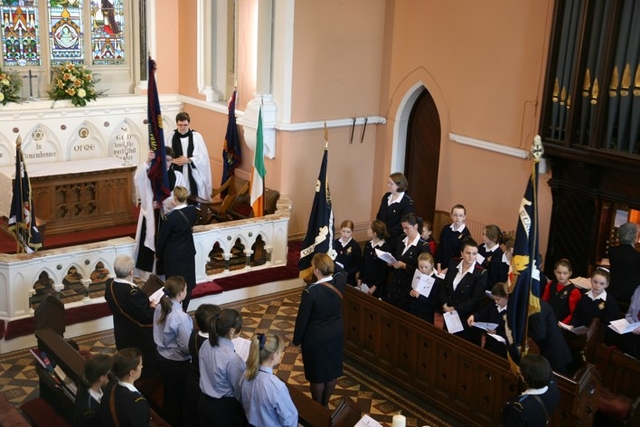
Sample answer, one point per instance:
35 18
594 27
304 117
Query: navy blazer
469 292
625 271
175 240
392 214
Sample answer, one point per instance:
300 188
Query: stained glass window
20 38
107 34
65 31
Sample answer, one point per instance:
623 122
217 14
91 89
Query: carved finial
537 150
18 141
326 134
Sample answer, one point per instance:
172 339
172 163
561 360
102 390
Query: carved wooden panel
467 381
84 201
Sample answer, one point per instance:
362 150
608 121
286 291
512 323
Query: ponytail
172 288
221 325
263 347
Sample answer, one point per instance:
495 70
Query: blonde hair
180 193
263 346
323 263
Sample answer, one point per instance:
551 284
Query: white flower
5 82
82 93
1 96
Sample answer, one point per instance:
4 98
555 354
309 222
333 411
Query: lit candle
399 421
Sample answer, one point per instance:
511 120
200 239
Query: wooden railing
468 382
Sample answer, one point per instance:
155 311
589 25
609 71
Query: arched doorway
423 154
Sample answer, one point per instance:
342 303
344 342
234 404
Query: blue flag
524 280
157 172
319 237
22 218
231 154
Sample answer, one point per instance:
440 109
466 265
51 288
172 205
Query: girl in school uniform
494 313
451 238
265 397
562 295
373 271
491 253
427 236
204 314
596 304
348 252
171 330
425 306
395 204
220 372
96 376
122 403
406 256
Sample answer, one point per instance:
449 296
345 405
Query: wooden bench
312 414
468 382
231 201
620 376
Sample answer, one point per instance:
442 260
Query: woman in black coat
175 247
319 329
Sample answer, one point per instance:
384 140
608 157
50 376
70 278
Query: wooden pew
620 375
312 414
72 363
468 382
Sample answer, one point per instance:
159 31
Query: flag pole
19 248
536 154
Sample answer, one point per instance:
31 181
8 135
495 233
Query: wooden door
423 155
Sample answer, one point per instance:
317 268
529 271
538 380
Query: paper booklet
485 325
498 338
423 283
452 319
385 256
242 346
367 421
578 330
622 326
479 259
156 296
364 288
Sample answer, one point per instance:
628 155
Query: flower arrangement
74 82
10 84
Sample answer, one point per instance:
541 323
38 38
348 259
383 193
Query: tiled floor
275 313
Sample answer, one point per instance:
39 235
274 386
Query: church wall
484 67
170 20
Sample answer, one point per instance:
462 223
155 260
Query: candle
399 421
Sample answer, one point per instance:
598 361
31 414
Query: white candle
399 421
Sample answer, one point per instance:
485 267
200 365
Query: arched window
38 35
217 25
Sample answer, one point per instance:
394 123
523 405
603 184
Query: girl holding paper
373 271
425 289
497 314
596 303
463 287
406 254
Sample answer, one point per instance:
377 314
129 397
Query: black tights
321 392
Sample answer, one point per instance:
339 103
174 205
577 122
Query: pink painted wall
482 63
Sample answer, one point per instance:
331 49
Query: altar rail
469 382
19 272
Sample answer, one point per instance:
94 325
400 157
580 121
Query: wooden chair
218 208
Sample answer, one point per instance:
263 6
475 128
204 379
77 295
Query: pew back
468 382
